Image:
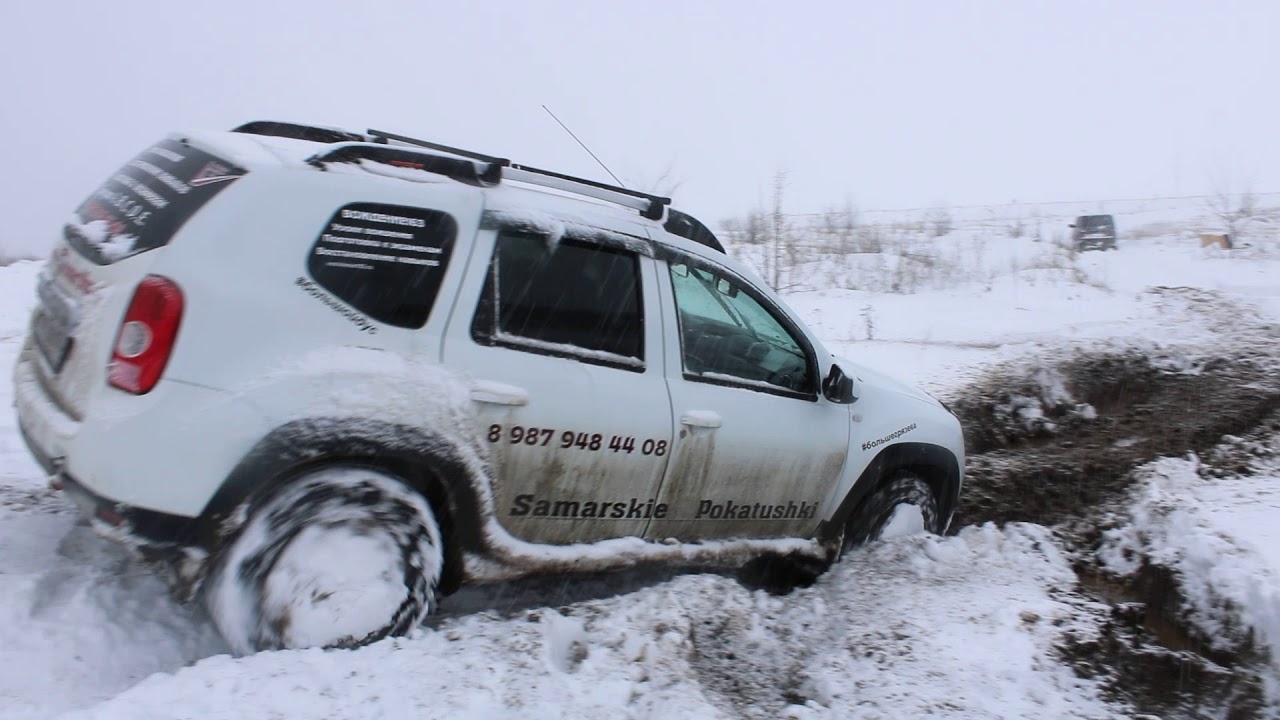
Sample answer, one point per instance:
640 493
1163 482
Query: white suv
327 377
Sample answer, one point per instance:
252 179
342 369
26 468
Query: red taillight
146 335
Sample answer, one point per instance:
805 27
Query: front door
562 338
758 448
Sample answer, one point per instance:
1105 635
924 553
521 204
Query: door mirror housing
839 387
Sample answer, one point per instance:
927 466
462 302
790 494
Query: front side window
565 298
728 335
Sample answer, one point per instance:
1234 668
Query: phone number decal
574 440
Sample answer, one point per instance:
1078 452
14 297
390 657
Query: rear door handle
701 418
496 393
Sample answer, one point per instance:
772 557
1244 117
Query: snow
722 377
98 233
491 391
1222 536
307 570
350 568
701 418
906 520
966 626
566 349
700 646
555 224
385 170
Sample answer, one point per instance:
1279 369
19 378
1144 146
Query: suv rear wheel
343 556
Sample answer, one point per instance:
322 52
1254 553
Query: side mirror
838 387
726 288
1071 225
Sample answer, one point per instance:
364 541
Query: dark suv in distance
1094 232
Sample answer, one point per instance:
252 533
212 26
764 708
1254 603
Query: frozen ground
987 623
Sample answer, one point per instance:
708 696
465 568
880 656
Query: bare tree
779 230
757 228
1233 204
838 227
665 184
939 222
751 230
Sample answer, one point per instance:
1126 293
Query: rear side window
144 204
386 261
567 298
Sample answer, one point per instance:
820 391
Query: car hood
886 383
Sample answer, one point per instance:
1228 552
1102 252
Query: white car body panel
542 490
763 464
263 346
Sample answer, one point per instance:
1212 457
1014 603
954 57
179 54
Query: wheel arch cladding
934 464
433 466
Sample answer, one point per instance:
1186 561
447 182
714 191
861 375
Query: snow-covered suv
327 377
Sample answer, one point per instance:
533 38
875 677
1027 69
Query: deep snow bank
899 630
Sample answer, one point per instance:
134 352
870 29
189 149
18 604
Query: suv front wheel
902 505
342 556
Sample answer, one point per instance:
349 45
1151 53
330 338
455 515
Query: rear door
758 448
562 337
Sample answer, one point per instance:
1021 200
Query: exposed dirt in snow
1050 442
1058 443
1160 648
1146 653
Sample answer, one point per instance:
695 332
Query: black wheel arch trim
431 464
936 465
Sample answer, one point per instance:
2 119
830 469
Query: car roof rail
376 146
383 136
649 206
457 168
296 131
652 207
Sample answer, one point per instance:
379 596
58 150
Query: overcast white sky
889 104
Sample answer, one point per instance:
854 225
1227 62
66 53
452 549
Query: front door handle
701 418
496 393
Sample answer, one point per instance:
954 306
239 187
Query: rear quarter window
147 201
385 261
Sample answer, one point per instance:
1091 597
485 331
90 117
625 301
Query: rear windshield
144 203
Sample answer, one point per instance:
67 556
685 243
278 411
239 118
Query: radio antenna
584 146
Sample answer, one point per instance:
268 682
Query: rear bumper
152 533
48 431
1088 243
168 451
46 428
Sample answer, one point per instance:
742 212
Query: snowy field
972 625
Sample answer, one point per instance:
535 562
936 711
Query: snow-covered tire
341 557
879 511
